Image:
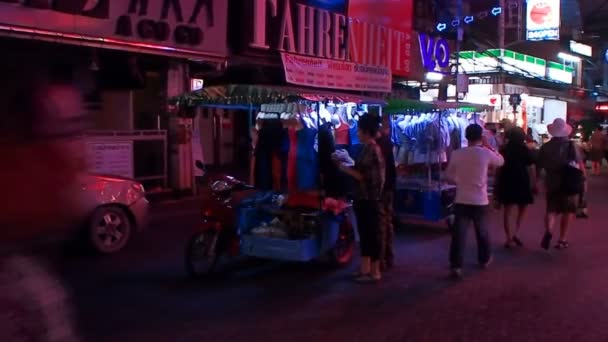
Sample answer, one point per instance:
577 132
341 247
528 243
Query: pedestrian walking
516 183
388 195
598 148
40 126
468 169
565 174
368 172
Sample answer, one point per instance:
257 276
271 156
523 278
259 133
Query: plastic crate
280 249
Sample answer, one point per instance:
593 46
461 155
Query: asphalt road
143 293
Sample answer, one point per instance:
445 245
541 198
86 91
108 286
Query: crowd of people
516 164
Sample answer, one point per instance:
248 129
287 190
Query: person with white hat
553 158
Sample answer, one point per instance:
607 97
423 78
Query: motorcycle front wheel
201 254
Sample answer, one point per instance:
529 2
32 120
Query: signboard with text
193 26
322 48
324 73
110 158
543 19
393 23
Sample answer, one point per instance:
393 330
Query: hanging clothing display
272 145
296 149
334 181
425 138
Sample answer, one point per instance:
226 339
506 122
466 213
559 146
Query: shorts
561 204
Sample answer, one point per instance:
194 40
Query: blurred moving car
117 209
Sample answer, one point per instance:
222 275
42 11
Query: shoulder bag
573 179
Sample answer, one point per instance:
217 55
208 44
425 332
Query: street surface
528 294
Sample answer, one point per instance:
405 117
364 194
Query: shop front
127 57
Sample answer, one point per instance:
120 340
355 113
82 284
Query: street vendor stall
299 210
425 134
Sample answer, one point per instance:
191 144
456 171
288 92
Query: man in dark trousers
388 194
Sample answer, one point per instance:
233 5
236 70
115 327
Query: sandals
562 244
514 242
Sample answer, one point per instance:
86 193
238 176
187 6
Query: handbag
573 179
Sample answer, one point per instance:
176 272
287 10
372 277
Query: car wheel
109 229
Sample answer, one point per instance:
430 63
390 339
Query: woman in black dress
516 182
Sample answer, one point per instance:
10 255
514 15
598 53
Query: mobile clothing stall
299 210
425 134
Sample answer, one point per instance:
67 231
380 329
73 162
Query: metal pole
501 47
459 38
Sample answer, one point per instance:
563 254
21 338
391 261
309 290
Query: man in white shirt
468 169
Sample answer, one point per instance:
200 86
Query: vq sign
435 52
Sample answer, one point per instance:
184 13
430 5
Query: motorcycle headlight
219 186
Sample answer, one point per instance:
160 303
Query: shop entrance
224 138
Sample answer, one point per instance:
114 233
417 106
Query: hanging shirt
342 134
307 160
354 138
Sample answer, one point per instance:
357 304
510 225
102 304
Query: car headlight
219 186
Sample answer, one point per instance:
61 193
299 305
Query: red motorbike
217 236
211 240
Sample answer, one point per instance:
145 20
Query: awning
244 94
399 105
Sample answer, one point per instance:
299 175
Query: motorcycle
211 239
217 235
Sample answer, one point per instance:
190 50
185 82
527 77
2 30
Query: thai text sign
332 74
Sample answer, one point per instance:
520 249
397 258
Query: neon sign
435 52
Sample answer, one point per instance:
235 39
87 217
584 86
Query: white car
116 208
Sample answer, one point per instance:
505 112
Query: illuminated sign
393 20
196 84
602 107
164 26
543 20
581 49
328 39
435 52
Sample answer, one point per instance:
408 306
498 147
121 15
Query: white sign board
560 75
581 49
110 158
543 19
155 26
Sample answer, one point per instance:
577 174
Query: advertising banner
193 27
543 19
394 18
334 74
